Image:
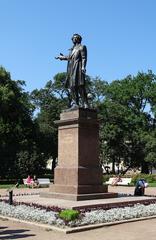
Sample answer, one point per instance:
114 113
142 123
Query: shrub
148 177
106 178
69 214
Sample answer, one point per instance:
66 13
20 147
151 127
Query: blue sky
120 36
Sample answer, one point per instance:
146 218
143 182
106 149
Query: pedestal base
78 175
78 189
79 197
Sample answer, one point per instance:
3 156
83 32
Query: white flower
97 216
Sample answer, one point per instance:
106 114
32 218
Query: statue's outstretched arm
62 57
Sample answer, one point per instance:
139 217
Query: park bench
122 182
41 182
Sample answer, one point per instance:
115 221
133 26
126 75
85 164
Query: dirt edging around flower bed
68 230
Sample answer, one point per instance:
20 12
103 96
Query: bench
122 182
41 182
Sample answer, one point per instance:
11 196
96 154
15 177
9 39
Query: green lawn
7 186
153 184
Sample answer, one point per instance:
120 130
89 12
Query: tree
16 126
59 88
50 101
127 115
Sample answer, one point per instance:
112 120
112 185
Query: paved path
71 204
76 204
142 230
130 231
119 189
124 189
23 191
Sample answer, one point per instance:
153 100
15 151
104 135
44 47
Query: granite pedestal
78 175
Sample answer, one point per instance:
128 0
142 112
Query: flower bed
50 215
113 215
30 213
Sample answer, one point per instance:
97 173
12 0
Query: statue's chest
75 53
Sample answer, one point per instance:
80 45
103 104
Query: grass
6 186
153 184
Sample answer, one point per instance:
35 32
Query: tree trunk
113 166
123 172
53 165
145 167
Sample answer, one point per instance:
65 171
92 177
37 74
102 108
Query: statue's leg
75 95
83 95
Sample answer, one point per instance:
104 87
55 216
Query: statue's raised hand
61 56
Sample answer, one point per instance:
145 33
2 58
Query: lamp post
10 197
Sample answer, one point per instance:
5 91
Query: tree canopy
128 120
28 133
17 130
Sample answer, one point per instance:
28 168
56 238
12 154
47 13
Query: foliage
128 122
150 178
97 87
30 162
126 111
59 88
13 115
106 178
69 214
17 129
50 108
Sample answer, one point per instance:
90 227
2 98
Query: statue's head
76 38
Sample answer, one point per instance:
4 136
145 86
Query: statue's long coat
76 61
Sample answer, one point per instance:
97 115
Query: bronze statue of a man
76 69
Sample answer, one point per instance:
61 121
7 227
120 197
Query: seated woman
29 181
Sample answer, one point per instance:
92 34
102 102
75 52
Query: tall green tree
128 115
17 131
50 101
